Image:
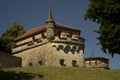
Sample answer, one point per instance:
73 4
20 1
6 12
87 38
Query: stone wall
53 54
7 60
53 46
70 54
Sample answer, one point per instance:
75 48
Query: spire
50 18
50 26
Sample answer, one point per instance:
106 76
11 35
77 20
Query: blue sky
33 13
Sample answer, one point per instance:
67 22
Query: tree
8 37
107 14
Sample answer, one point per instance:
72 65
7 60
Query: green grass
58 73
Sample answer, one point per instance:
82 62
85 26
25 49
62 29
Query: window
74 63
75 37
40 62
62 62
67 49
64 35
30 64
37 37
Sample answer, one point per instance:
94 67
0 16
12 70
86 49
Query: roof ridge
67 26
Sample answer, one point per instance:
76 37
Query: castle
52 44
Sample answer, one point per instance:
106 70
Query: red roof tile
41 28
31 31
66 27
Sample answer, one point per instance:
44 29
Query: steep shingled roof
41 28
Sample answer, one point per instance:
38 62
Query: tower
50 25
52 44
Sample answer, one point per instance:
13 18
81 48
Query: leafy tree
107 14
7 38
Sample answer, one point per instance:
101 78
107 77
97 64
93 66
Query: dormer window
74 63
75 37
64 35
36 37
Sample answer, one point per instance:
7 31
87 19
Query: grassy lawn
58 73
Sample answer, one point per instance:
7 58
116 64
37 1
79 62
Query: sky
33 13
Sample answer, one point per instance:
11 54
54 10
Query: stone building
52 44
7 60
97 62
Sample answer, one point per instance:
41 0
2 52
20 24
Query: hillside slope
58 73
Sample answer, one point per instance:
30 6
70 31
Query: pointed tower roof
50 18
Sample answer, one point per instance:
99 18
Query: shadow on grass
11 75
